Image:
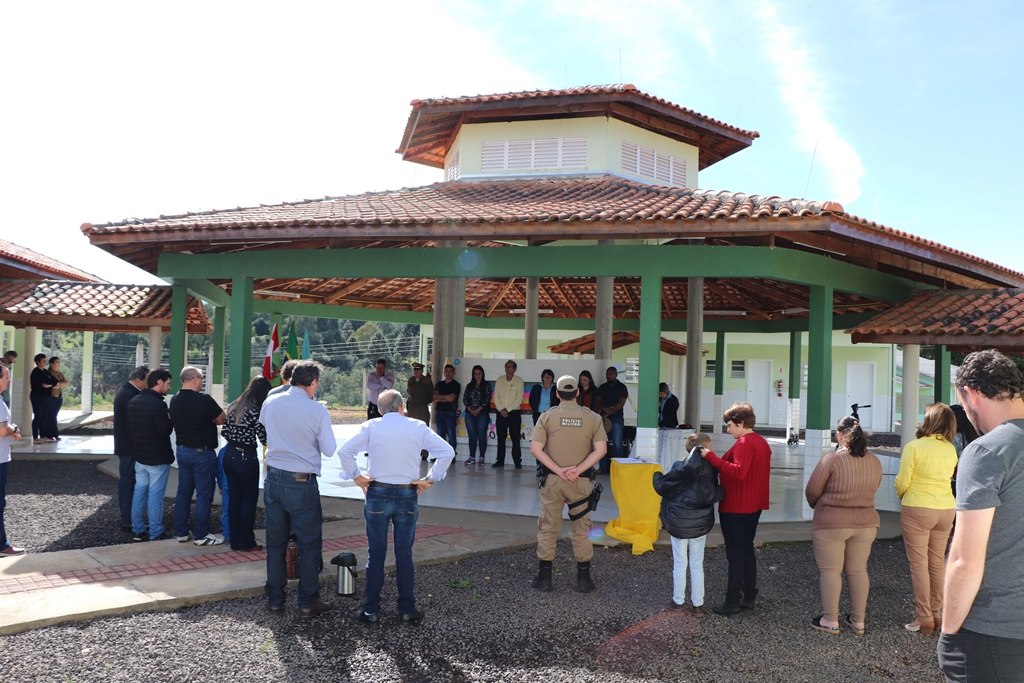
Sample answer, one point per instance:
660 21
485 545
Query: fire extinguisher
778 387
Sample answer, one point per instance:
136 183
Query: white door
860 389
759 388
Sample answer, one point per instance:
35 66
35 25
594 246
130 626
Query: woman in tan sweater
841 490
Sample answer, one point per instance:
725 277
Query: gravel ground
483 623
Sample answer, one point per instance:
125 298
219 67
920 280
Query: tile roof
588 342
958 318
55 304
612 90
434 123
535 208
19 261
543 201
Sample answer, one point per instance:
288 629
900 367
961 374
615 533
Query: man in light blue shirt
298 436
392 483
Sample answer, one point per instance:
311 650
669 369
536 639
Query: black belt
385 485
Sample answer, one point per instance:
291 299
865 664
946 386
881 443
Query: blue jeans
125 488
50 428
225 501
618 426
476 429
197 471
384 507
293 507
738 531
446 426
971 657
148 498
3 503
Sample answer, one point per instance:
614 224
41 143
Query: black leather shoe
315 610
747 604
414 617
497 464
519 465
275 609
367 618
727 610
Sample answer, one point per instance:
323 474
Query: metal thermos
346 563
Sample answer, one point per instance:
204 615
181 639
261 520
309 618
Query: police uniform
567 433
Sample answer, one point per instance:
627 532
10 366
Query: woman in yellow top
922 484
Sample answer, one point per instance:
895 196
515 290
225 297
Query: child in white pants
688 494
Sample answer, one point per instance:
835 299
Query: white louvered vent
533 154
650 163
453 172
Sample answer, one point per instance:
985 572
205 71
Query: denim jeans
50 427
618 426
476 429
225 497
688 552
384 507
445 421
3 503
738 530
293 507
239 499
148 498
125 487
197 471
970 657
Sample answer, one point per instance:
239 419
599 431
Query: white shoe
209 540
184 539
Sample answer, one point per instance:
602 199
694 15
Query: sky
907 112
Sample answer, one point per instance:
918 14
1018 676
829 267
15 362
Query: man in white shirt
298 436
508 397
377 381
392 484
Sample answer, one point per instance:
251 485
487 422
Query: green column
179 313
219 319
942 375
719 367
819 358
795 351
650 351
240 340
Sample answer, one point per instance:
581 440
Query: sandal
818 626
858 630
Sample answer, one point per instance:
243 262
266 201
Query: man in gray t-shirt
983 616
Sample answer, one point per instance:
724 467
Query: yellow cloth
926 467
638 522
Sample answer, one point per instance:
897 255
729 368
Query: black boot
543 580
584 584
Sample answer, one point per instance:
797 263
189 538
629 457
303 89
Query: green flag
291 349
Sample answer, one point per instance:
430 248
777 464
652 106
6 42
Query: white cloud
802 89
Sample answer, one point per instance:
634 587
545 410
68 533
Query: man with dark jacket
668 407
149 436
688 495
122 442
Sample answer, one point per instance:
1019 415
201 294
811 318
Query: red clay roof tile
19 261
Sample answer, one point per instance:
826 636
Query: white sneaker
184 539
209 540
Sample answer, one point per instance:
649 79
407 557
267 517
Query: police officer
568 441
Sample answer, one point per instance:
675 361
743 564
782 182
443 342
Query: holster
590 501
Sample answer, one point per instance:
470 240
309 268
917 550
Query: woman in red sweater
744 471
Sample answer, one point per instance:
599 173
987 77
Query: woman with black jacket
688 495
543 395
